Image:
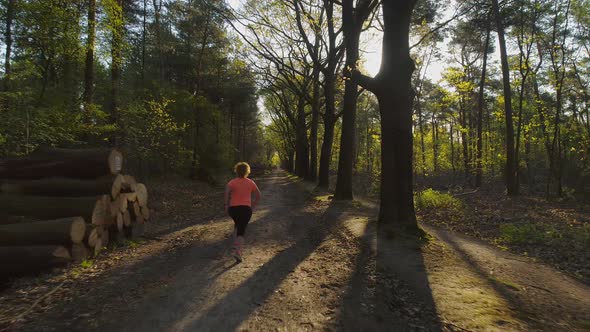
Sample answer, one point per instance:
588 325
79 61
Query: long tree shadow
389 289
230 311
535 317
148 279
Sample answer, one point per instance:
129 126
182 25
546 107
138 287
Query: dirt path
313 264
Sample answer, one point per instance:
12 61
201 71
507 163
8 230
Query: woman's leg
243 217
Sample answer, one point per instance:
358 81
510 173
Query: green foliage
526 233
181 93
432 199
531 233
152 135
87 263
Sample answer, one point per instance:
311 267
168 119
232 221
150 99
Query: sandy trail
313 264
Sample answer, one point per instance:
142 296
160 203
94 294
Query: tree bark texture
393 89
94 210
511 169
352 31
80 164
480 107
21 260
49 232
89 63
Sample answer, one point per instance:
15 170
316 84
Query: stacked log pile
59 205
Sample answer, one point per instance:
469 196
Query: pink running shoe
237 252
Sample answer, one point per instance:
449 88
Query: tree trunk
116 60
89 64
393 89
143 42
312 172
329 123
157 13
480 107
511 184
464 139
94 210
352 31
82 164
434 145
301 143
8 42
59 232
452 147
17 261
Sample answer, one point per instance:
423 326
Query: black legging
241 215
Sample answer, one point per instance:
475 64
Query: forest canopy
160 79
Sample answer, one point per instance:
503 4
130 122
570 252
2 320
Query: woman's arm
257 196
226 199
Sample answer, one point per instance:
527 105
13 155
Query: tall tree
480 108
353 19
89 63
10 8
511 167
393 88
328 66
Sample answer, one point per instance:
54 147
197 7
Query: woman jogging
239 204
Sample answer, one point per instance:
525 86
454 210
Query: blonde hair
242 169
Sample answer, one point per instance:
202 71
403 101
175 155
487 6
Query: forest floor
552 232
310 263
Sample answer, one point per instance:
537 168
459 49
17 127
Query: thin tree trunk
157 9
8 41
196 92
116 60
434 145
464 139
347 137
480 107
329 123
89 64
511 184
312 173
143 41
452 147
302 145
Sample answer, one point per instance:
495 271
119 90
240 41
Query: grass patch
87 263
324 198
531 233
520 234
433 199
132 243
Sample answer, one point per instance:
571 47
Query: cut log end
115 161
62 252
101 215
78 230
117 185
142 194
145 213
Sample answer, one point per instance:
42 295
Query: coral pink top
241 190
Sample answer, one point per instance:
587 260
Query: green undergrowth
433 199
530 233
87 263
